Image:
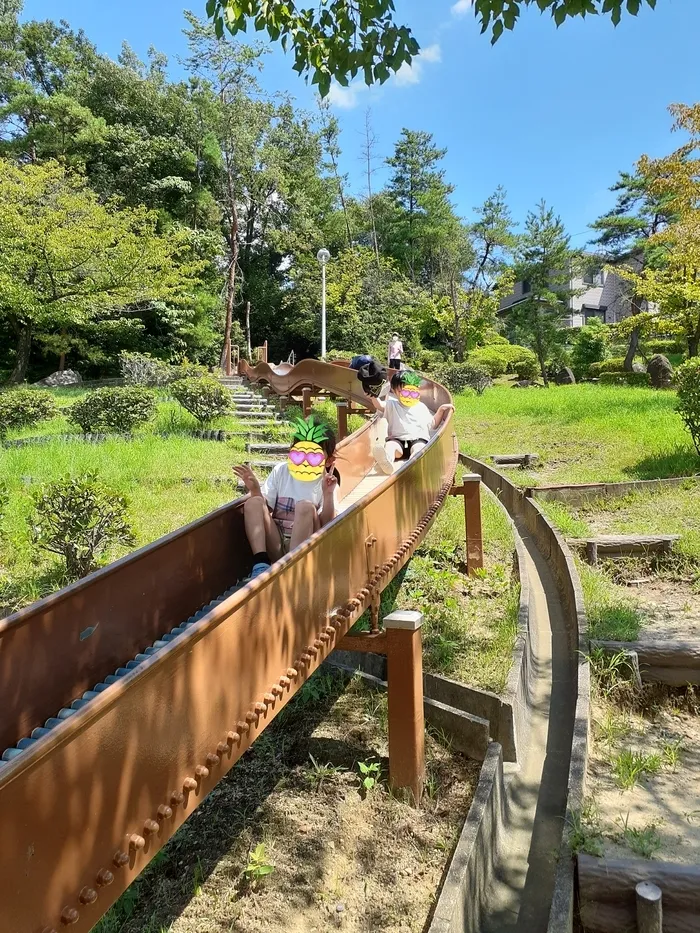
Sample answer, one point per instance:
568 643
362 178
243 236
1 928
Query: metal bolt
189 784
120 859
324 637
243 727
150 826
164 812
70 915
260 708
104 878
201 772
136 842
223 748
330 630
269 698
87 896
212 760
284 682
251 718
176 798
277 691
292 672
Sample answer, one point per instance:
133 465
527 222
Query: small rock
331 845
565 377
303 830
339 908
66 378
660 371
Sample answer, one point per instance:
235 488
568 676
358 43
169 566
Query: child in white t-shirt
409 421
297 498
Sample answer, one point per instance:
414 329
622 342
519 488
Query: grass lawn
584 433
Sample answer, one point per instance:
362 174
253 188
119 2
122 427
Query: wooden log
518 459
608 897
681 654
649 911
622 545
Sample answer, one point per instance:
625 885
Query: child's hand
330 482
447 408
250 480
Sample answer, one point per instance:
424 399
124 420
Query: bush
664 345
625 379
333 355
456 377
687 379
427 361
500 358
140 369
22 408
590 346
203 397
187 370
494 339
119 409
78 519
614 365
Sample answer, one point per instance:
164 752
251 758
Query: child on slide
297 498
409 421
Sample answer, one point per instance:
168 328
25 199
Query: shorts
406 446
395 364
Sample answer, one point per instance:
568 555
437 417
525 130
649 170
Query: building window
526 286
593 277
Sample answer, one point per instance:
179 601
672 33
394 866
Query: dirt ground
341 856
658 817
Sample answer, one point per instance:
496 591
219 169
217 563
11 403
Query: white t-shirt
281 492
408 424
395 350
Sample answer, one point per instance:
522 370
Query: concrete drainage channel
511 869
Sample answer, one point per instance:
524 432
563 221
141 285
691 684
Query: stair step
268 448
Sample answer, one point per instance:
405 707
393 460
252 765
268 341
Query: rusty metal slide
127 696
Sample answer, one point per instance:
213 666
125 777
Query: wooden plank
622 545
657 654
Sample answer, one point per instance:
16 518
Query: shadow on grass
678 461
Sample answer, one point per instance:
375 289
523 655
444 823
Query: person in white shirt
395 352
298 497
409 421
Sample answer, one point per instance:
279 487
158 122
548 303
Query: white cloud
413 73
346 98
462 7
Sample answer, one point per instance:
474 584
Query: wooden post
405 687
342 420
471 490
306 402
649 909
265 352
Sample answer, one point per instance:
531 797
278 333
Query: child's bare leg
394 451
306 521
261 533
418 445
386 455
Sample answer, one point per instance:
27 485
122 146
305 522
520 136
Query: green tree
544 260
66 258
337 39
590 346
626 237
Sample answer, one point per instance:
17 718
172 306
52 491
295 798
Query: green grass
583 433
612 614
630 767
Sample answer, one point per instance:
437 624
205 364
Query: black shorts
395 364
406 446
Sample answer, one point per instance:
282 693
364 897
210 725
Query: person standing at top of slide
395 352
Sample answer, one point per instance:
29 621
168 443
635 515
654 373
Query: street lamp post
323 256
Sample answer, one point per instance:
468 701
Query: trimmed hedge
118 410
456 377
625 379
501 358
614 365
23 408
203 397
687 380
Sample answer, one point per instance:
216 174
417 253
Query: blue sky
546 113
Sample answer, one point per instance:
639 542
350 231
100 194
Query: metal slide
127 696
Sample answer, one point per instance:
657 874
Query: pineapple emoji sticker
306 456
409 394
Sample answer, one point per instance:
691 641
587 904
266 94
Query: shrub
590 346
500 358
687 379
456 377
187 370
664 345
21 408
625 379
203 397
494 339
333 355
140 369
614 365
119 409
427 361
78 519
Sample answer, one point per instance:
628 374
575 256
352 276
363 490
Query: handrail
85 809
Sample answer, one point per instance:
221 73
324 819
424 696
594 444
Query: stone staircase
261 422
